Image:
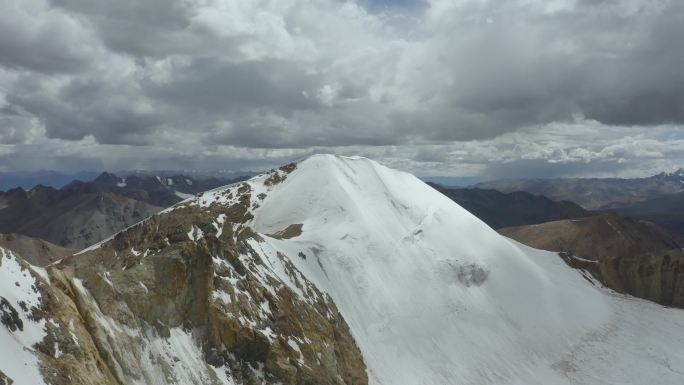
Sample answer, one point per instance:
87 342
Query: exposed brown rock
607 235
4 380
9 316
656 276
291 231
186 277
182 273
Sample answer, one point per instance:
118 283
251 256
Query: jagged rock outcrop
657 276
44 339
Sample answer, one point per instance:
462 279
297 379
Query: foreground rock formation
181 299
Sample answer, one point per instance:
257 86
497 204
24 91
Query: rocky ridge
187 297
596 193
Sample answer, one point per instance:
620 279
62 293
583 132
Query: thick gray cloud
34 38
183 80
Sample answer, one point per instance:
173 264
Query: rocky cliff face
657 276
187 298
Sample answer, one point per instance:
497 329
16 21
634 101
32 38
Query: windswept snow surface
434 296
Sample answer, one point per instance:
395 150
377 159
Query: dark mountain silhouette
499 209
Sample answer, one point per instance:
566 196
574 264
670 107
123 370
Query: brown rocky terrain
37 251
595 237
188 280
657 276
627 255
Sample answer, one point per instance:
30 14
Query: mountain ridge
595 237
665 210
82 213
223 288
499 209
38 252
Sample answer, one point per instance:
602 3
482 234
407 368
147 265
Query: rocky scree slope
332 270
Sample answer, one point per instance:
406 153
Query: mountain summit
331 270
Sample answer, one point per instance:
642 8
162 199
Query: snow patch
195 233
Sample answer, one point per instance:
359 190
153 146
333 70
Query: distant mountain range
499 209
30 179
666 210
82 213
596 193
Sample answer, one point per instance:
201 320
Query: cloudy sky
483 88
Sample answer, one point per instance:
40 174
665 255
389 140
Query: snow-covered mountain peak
408 267
432 294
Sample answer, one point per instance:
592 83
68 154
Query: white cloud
446 87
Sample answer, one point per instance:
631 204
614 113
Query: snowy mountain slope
434 296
